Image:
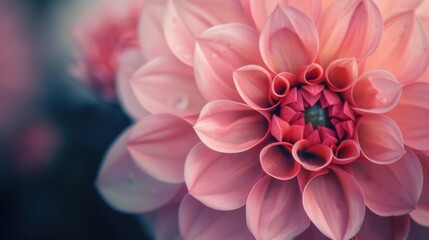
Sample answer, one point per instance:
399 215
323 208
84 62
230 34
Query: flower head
310 114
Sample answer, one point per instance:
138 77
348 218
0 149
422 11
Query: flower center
315 113
317 116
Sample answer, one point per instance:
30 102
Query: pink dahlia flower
310 115
103 37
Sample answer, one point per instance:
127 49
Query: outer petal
218 52
421 214
197 221
126 187
406 41
185 20
424 197
221 181
387 8
261 9
349 28
151 34
129 63
165 85
167 223
375 227
391 190
288 24
160 143
376 92
411 115
274 210
253 83
230 127
334 203
380 139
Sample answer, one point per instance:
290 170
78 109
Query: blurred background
53 130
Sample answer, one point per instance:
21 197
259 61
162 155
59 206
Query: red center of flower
313 112
317 116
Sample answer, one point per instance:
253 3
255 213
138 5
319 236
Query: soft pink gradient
102 38
229 88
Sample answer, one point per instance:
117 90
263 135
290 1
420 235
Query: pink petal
424 197
160 143
346 152
280 86
279 128
274 210
230 127
167 223
406 41
151 34
421 214
262 9
290 25
197 221
219 51
341 74
327 3
391 190
334 203
375 227
165 85
311 157
221 181
311 74
411 115
376 92
185 20
277 161
129 63
380 139
253 83
350 28
387 8
126 187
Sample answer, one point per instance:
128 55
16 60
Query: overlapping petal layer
128 188
302 118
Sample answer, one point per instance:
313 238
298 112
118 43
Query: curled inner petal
277 160
312 158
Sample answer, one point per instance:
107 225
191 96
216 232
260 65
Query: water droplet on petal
187 56
182 103
131 178
214 55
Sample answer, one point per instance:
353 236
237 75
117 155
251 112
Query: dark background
52 196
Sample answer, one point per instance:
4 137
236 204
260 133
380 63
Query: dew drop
182 103
187 56
131 178
154 191
214 55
